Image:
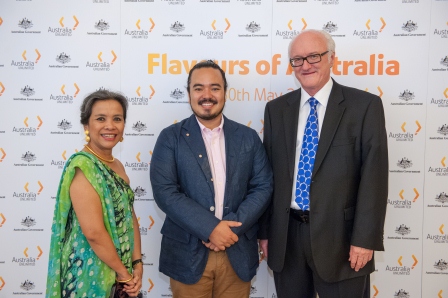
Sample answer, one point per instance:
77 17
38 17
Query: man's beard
207 116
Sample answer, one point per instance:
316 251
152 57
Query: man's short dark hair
102 94
208 64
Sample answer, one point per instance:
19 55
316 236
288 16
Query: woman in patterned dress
95 237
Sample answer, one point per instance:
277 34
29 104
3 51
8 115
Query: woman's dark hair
209 64
89 101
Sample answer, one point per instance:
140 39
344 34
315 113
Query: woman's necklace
101 158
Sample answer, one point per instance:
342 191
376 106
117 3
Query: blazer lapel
333 115
191 133
290 122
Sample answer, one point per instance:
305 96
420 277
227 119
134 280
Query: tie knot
313 102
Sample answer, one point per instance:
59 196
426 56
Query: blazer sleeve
259 189
370 213
184 211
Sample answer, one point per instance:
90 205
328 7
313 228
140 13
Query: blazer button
187 134
212 208
200 155
211 179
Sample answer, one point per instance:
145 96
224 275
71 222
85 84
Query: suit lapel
333 115
290 122
191 133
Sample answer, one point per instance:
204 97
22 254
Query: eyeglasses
311 59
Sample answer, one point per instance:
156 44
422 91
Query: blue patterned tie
307 156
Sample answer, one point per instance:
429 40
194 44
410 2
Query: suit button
200 155
211 179
212 208
287 210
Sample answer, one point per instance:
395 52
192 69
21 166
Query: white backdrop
53 53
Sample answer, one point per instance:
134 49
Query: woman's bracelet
125 281
135 262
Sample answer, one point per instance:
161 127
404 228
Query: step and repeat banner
53 53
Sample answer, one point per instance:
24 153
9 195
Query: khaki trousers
219 280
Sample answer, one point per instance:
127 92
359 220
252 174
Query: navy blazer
183 188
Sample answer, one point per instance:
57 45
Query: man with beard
211 177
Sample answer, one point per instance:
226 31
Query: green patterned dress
74 270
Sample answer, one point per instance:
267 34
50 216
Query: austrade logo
63 30
410 27
177 27
438 238
331 28
404 203
102 28
26 25
254 29
403 233
28 195
402 269
28 157
443 33
28 130
139 166
144 230
28 225
65 97
406 98
178 96
28 260
370 33
441 102
139 127
28 93
439 170
140 33
27 286
289 34
215 33
401 293
244 2
102 65
26 64
405 136
59 163
141 100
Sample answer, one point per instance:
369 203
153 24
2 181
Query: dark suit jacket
349 183
182 185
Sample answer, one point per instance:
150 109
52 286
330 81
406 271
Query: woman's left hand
132 288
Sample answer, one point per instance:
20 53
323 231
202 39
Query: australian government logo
64 126
254 30
27 93
442 132
28 158
177 28
102 28
27 286
177 96
26 25
405 166
410 27
63 60
331 28
139 127
440 266
441 200
28 224
401 293
406 98
402 233
140 194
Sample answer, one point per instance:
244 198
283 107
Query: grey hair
331 46
102 94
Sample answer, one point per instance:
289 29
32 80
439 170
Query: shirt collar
203 128
322 95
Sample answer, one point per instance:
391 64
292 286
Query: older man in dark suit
327 145
212 178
